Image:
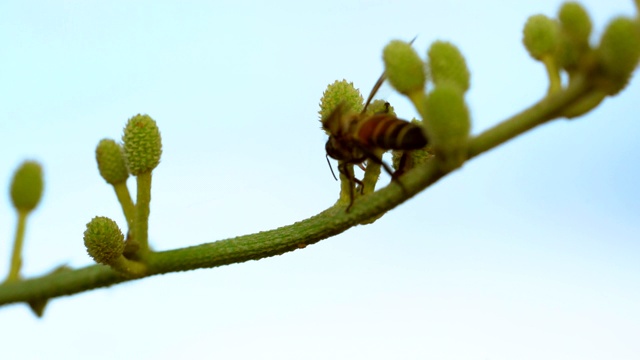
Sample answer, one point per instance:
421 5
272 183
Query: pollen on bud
142 144
111 163
619 52
379 106
27 186
448 123
340 92
447 65
104 240
541 36
405 70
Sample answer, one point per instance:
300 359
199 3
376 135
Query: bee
358 137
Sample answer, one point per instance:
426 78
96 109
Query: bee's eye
333 148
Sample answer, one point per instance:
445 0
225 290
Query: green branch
330 222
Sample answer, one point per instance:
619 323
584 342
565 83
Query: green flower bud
405 70
379 106
104 240
575 22
448 65
340 92
412 159
575 26
27 186
448 123
569 54
111 164
541 36
142 144
619 52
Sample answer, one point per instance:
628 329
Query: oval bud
104 240
540 36
111 163
575 26
404 68
142 144
380 106
619 52
27 186
447 65
340 92
575 22
448 123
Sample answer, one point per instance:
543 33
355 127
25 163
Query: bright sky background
528 252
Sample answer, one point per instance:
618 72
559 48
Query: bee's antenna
378 84
332 173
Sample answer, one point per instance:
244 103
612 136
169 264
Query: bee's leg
405 163
378 160
342 167
351 193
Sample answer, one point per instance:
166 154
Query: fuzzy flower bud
575 26
111 162
142 144
379 106
27 186
405 70
340 92
104 240
448 65
541 36
448 123
575 22
619 51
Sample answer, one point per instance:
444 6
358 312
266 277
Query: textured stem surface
16 256
292 237
141 222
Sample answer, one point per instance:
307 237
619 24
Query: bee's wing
375 89
333 122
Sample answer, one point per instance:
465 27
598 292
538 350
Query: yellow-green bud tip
340 92
448 65
111 164
27 186
448 123
405 70
540 36
575 22
104 240
142 144
619 51
380 106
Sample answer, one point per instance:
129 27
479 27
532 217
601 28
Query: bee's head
334 149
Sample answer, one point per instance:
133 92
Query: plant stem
124 198
141 222
287 238
16 257
555 82
538 114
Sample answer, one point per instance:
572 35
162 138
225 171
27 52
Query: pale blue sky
528 252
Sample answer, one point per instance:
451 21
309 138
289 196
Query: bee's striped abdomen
390 133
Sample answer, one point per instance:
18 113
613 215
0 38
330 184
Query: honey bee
358 137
